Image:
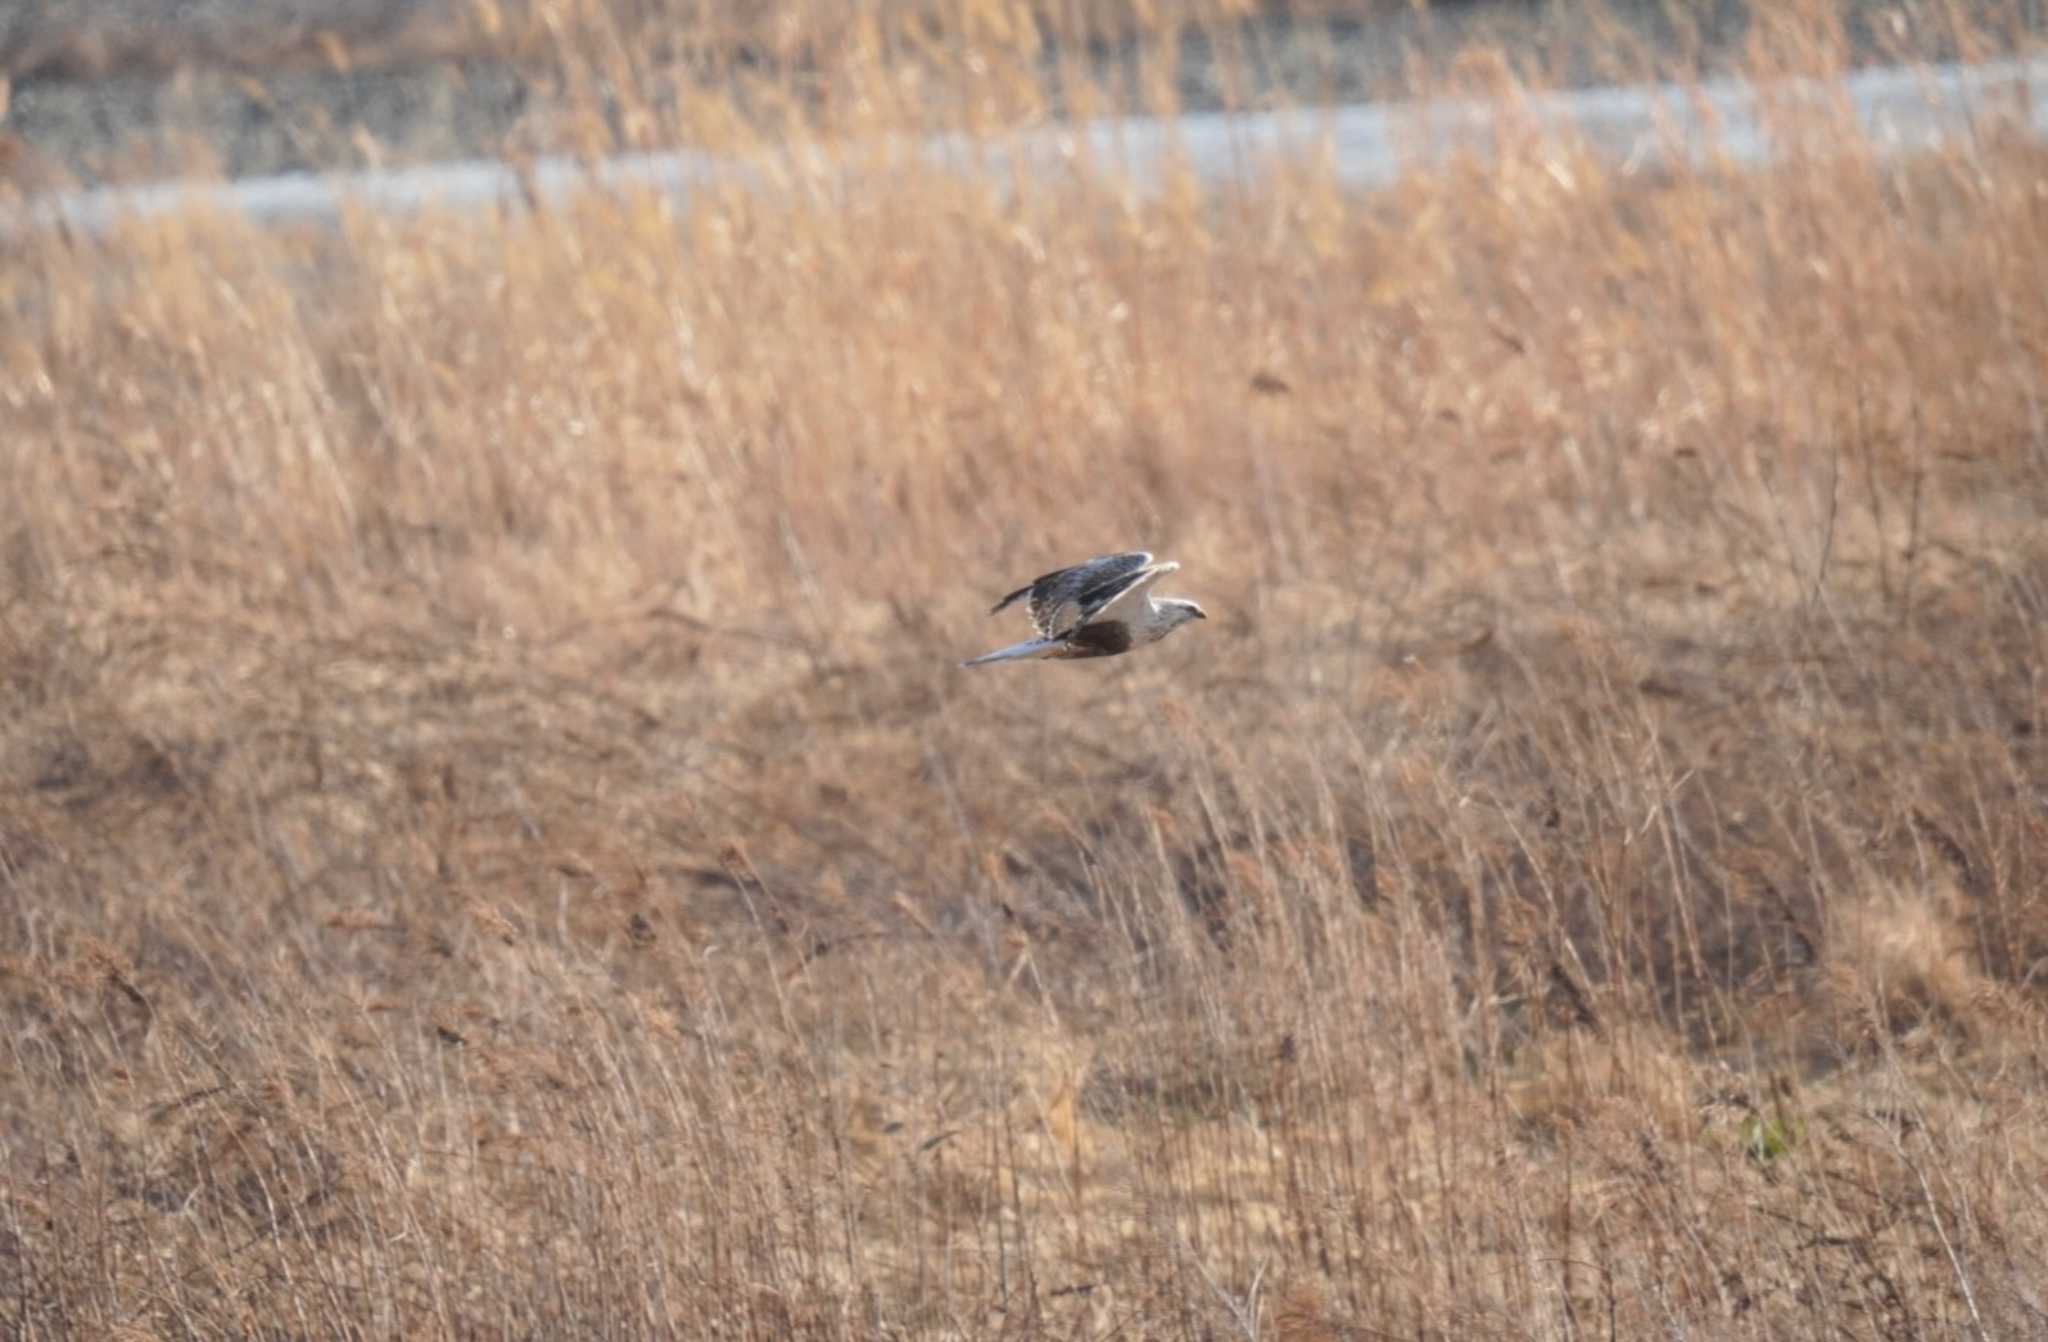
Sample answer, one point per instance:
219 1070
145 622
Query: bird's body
1098 609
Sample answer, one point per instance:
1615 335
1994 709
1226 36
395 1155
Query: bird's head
1182 611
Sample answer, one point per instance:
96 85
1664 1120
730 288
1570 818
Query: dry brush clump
496 842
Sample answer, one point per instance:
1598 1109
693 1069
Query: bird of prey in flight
1097 609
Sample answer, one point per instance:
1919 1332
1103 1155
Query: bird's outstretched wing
1017 652
1113 600
1065 599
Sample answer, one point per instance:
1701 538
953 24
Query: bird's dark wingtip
1009 600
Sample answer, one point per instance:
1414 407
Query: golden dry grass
495 841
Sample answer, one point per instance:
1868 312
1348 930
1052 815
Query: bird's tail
1017 652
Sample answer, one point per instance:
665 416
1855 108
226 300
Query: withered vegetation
495 841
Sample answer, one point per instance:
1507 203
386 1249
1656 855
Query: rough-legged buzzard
1097 609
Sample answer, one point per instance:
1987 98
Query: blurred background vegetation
494 840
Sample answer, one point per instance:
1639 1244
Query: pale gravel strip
1901 109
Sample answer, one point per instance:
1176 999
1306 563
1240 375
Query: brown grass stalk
495 842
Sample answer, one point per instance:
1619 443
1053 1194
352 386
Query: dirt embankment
111 89
101 39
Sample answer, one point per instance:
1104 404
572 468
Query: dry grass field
494 841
